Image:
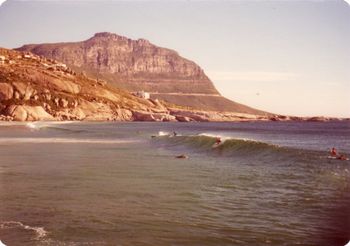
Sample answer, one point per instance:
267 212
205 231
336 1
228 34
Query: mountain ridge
37 88
137 65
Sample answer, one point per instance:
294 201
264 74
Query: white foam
161 133
41 124
2 244
64 140
224 138
35 124
39 231
31 125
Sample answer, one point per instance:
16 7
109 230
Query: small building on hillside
142 94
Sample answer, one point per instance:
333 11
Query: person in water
174 134
218 140
342 157
334 152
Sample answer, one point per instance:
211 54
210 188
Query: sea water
267 183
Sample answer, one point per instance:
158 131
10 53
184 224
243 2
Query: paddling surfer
333 152
335 155
342 157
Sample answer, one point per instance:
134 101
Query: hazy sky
287 57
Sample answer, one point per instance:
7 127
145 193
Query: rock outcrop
149 116
6 91
137 65
27 113
35 88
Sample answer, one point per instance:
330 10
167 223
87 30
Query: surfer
333 152
174 134
183 156
217 143
342 157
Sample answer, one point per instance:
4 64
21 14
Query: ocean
267 183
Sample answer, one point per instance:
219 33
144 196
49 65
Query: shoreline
6 119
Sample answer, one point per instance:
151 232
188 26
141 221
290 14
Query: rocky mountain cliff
37 88
138 65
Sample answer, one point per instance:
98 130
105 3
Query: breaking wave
39 232
39 125
162 133
236 147
209 141
38 235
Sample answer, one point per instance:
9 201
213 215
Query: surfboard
215 145
336 158
332 157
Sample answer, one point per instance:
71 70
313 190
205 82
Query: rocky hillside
37 88
138 65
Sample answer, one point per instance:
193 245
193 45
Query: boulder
63 103
148 116
165 117
56 101
6 91
78 113
123 114
70 114
318 119
25 90
65 86
96 111
274 118
183 118
17 95
5 118
27 113
47 96
143 116
193 115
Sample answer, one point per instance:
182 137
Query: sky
286 57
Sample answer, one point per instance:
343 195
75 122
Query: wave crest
207 142
40 232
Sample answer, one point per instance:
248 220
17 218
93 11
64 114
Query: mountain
34 88
138 65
